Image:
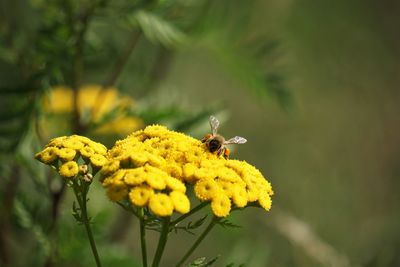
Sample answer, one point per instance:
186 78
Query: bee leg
205 138
226 153
220 151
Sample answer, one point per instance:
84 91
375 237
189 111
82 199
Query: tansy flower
135 176
167 162
98 160
86 151
72 143
180 201
221 205
48 155
117 191
140 195
69 169
206 189
67 151
161 205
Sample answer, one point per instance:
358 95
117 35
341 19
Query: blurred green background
312 85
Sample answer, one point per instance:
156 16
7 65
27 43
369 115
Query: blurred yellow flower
94 103
167 162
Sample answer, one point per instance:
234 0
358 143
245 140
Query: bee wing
214 123
236 140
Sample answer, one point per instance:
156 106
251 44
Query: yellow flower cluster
152 167
64 153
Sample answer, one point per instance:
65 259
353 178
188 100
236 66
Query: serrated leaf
158 30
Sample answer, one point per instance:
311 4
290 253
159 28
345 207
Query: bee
216 142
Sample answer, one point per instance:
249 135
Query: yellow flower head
221 205
140 195
180 201
166 162
69 169
48 155
71 151
66 153
161 204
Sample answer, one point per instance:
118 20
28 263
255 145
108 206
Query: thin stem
143 238
194 210
161 242
214 220
80 194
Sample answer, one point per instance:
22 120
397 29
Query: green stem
161 242
81 197
214 220
194 210
143 238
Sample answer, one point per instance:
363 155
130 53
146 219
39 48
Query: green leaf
225 223
191 225
158 30
202 262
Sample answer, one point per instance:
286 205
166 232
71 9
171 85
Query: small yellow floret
161 205
265 201
221 205
239 196
110 167
206 189
175 184
69 169
155 181
140 195
117 191
73 143
138 159
48 155
180 201
86 151
67 154
135 176
98 160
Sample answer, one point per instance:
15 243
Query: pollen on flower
168 162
